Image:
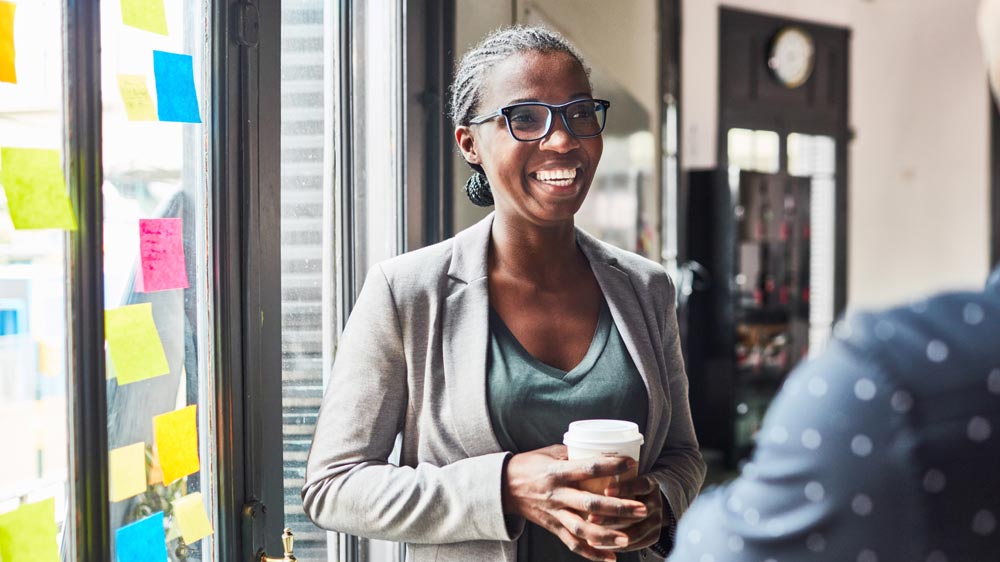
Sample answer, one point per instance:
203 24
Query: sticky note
134 343
8 72
161 246
176 436
145 14
28 534
142 541
135 95
192 519
176 99
127 471
36 190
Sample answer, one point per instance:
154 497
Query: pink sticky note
161 244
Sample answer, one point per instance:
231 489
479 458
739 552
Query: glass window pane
308 267
157 269
814 156
755 151
34 304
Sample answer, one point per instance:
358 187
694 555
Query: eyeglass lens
532 122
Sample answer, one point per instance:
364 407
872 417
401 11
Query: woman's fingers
586 469
576 544
595 535
640 486
585 502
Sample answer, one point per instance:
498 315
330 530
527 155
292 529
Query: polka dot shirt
884 448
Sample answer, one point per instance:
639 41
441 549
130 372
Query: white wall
918 181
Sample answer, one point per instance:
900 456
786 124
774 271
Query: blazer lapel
631 323
465 338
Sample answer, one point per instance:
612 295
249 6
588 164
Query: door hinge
248 25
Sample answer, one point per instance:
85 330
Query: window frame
87 417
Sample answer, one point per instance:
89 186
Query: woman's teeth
560 178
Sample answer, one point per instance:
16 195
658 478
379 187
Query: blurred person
481 350
885 448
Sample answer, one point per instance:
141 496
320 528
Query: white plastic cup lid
602 432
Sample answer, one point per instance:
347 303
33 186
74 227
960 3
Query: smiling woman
483 348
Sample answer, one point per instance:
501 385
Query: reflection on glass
615 210
33 291
307 254
814 156
753 151
155 170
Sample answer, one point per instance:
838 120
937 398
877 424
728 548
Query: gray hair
467 89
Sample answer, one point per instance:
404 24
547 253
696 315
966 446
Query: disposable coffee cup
587 439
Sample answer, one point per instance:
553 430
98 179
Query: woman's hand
645 532
541 486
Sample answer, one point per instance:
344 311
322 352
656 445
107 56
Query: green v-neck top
531 404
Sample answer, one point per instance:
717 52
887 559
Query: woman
488 344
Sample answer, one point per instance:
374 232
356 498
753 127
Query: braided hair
474 68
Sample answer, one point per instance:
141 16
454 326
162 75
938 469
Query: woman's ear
467 144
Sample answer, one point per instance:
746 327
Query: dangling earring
478 189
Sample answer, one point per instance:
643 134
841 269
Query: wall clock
791 56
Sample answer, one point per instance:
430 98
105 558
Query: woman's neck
545 256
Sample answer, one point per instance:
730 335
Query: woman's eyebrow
571 98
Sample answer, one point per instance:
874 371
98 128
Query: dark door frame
994 183
785 121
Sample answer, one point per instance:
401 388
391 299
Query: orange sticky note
134 344
36 189
138 105
28 534
127 471
191 518
177 443
8 72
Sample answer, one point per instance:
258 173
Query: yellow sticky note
8 72
191 518
177 443
127 471
28 534
36 190
145 14
138 105
134 343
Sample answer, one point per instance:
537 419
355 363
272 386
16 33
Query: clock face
791 57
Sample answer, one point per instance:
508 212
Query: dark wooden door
750 97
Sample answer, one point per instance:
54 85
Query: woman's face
524 176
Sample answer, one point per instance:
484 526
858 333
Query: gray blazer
412 360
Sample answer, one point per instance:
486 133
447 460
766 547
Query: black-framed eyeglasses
530 121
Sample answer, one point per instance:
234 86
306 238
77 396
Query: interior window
158 278
34 304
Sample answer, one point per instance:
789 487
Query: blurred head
543 180
989 34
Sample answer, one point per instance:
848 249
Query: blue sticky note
176 99
142 541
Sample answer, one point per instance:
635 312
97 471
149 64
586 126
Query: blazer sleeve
680 468
350 486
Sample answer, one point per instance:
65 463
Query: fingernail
641 511
621 541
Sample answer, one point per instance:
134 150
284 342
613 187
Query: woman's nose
559 138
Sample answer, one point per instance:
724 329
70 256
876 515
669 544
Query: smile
557 177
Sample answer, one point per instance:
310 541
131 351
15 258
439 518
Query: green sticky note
36 190
29 533
134 343
145 14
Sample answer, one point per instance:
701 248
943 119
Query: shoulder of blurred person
882 448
